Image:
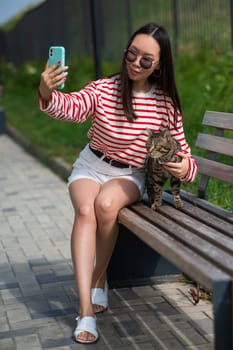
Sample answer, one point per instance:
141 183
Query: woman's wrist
185 178
44 95
43 100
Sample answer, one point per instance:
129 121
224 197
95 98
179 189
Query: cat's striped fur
161 148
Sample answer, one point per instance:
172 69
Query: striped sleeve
192 172
72 107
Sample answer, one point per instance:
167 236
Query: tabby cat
161 148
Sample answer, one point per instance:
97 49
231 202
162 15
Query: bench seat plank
190 237
202 216
206 232
175 251
207 206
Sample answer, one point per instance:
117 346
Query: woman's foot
85 331
99 298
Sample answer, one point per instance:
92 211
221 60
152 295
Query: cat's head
161 146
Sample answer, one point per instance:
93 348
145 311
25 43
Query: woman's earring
157 73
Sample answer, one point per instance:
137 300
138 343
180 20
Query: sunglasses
145 62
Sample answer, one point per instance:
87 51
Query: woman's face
142 57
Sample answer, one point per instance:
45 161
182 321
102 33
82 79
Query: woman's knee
104 207
85 211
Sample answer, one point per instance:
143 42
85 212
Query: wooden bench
197 239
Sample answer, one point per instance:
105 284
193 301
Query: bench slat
176 252
190 237
207 206
214 237
215 144
203 216
214 169
218 119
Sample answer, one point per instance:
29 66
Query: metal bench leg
222 304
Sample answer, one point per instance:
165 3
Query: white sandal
86 324
99 297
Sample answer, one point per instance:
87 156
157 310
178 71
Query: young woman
109 172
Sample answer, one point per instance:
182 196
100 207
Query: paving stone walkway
37 290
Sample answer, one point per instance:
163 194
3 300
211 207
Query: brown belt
112 162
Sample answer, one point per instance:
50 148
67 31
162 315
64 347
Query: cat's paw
155 205
178 203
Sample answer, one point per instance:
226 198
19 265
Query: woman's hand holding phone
53 76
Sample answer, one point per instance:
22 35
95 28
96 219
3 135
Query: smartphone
57 53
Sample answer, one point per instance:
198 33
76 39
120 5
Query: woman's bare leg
83 242
113 196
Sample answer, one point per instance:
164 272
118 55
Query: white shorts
89 166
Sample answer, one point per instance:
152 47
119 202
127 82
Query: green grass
204 82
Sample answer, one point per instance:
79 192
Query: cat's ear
166 133
149 132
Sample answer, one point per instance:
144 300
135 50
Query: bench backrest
215 144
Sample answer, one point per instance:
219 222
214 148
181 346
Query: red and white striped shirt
111 132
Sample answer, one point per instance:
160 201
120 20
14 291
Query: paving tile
18 315
10 293
7 344
201 347
6 275
4 325
29 342
60 348
29 286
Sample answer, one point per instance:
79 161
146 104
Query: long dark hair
165 80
